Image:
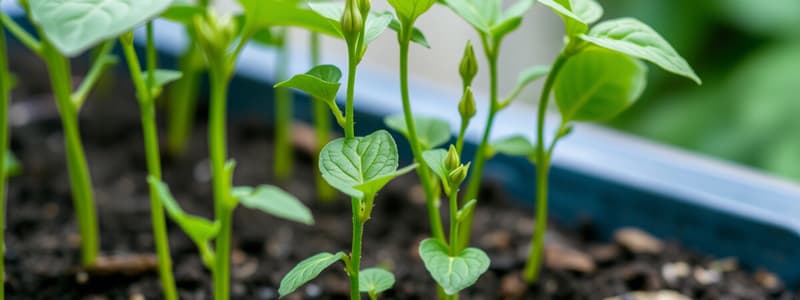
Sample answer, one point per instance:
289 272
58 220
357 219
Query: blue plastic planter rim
612 178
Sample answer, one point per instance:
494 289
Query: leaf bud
352 20
453 160
469 65
457 176
467 105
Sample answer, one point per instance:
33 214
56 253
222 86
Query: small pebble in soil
512 286
672 272
767 280
638 241
562 257
705 276
137 296
202 171
313 290
604 253
81 277
657 295
266 293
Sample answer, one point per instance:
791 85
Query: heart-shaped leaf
515 146
375 281
200 230
409 10
274 201
360 165
577 14
486 15
435 159
634 38
597 84
321 82
453 273
307 270
74 26
431 132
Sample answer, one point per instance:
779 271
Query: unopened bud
469 65
457 176
467 107
453 160
352 20
364 6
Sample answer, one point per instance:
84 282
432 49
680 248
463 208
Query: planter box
611 178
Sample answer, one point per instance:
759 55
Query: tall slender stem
349 128
532 267
322 125
5 99
492 53
221 184
152 155
355 250
82 194
427 181
283 116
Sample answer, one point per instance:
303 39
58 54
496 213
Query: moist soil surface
42 257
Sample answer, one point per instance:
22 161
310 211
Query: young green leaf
486 15
183 12
409 10
525 78
431 132
453 274
74 26
360 165
577 14
13 167
162 77
416 35
263 14
634 38
435 159
198 229
515 146
321 82
274 201
375 281
306 271
375 25
598 84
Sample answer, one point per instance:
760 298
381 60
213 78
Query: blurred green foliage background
748 54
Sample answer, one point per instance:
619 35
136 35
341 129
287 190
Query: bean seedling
357 166
596 76
63 36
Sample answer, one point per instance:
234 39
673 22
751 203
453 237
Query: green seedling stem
145 93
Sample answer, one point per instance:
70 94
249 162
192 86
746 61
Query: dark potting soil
42 240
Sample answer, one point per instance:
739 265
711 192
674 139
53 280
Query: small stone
767 280
245 270
657 295
202 171
266 293
725 265
706 277
417 195
672 272
133 264
497 240
525 226
73 240
313 290
512 287
82 277
604 253
562 257
238 257
136 296
238 290
638 241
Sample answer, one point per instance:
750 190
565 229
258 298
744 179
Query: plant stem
82 194
428 182
543 156
183 99
152 155
355 251
5 99
473 187
283 116
352 65
221 184
322 125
